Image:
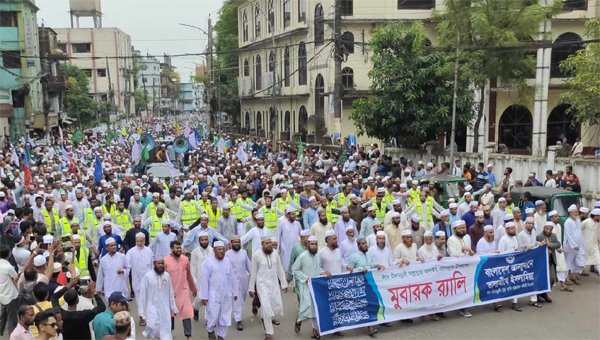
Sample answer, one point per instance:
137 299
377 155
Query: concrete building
191 97
106 55
169 86
20 69
149 79
53 84
292 40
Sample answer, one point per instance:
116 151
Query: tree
226 62
490 35
76 98
141 100
583 88
411 88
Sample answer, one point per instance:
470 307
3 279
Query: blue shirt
103 324
469 218
492 179
310 217
102 246
446 229
145 200
191 240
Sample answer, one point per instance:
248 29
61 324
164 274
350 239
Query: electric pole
338 55
209 62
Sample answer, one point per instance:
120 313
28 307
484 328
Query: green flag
300 149
77 136
145 153
342 157
110 136
216 140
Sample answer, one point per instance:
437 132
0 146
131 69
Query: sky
153 25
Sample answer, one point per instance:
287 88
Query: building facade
191 97
53 83
20 69
106 55
149 79
289 43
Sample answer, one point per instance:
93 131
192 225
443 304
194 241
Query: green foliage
141 100
583 89
411 88
77 101
490 35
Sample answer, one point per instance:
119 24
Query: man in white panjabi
562 270
320 227
156 302
256 234
591 239
287 234
348 246
380 255
510 244
527 240
330 255
405 252
242 267
459 245
573 244
140 262
266 279
197 258
218 291
487 244
428 251
112 271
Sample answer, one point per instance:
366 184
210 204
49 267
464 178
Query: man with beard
573 244
499 212
298 249
459 245
162 242
444 224
256 234
190 240
26 317
366 226
342 225
562 270
288 230
140 261
178 268
548 238
218 291
397 208
108 234
380 254
476 230
405 253
197 258
416 230
394 231
527 240
487 244
320 228
509 244
428 251
331 256
440 243
113 271
540 214
156 301
590 236
241 265
307 266
266 277
348 246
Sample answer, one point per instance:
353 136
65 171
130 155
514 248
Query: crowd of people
87 234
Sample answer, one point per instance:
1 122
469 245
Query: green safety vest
380 211
213 218
66 230
152 208
236 209
113 207
190 212
426 217
331 217
81 262
413 196
123 219
89 219
155 227
48 221
270 218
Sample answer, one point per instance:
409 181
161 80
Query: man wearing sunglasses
46 324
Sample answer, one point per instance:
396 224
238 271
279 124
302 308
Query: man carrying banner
459 245
527 240
509 244
548 238
380 254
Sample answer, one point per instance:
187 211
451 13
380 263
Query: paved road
571 316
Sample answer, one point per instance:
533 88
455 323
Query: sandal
297 327
372 330
315 334
566 289
535 304
254 310
275 322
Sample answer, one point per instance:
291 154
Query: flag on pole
98 174
241 154
124 132
221 146
352 140
177 130
216 140
145 153
26 168
300 150
14 158
51 152
187 131
172 171
193 141
60 134
136 152
77 136
64 155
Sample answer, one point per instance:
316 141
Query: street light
196 27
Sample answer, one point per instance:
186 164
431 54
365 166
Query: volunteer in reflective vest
122 216
214 212
91 218
154 223
93 224
204 202
82 259
51 219
151 209
270 214
74 230
67 220
189 210
380 206
426 207
109 207
413 192
333 214
246 203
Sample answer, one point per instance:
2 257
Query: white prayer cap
584 210
406 232
381 190
415 182
313 238
529 211
304 233
552 213
444 212
140 235
97 209
539 202
473 204
501 199
458 223
56 268
597 204
403 186
509 224
68 206
39 260
395 214
157 258
467 194
260 216
349 228
312 198
76 237
204 216
343 209
572 208
488 227
430 165
371 208
508 217
329 232
529 220
218 244
440 233
273 239
187 191
234 237
156 194
452 205
479 213
380 233
202 233
468 188
550 224
265 238
451 200
109 241
428 234
415 218
396 202
596 211
106 216
351 196
107 223
47 239
289 210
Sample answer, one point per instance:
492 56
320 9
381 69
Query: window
302 64
11 59
258 71
301 10
246 68
319 26
81 47
561 124
516 127
101 72
347 43
104 97
416 4
245 26
347 78
286 67
346 7
8 19
319 97
272 61
575 5
568 44
271 16
257 22
287 13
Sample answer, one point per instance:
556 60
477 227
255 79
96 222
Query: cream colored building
293 39
106 56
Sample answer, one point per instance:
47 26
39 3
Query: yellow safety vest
426 217
270 218
89 219
82 239
66 231
213 218
152 208
341 200
248 201
388 198
123 219
331 217
413 195
190 212
113 207
81 262
380 211
236 209
204 205
48 221
155 227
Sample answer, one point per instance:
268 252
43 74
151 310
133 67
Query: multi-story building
106 55
53 84
191 97
149 79
20 69
169 86
289 43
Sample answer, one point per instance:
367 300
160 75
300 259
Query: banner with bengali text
354 300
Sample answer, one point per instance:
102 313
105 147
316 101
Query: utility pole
111 93
454 98
338 55
209 62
